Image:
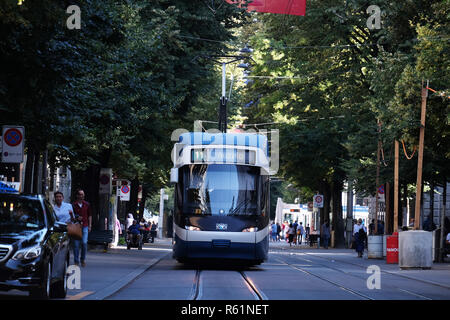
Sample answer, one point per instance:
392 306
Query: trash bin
392 249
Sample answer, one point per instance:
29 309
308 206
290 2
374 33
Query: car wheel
43 291
59 289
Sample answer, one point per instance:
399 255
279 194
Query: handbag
75 231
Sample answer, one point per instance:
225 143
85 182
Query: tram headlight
192 228
251 229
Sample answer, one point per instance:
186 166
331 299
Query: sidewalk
439 274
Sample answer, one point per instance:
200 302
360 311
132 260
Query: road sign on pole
105 181
318 201
125 193
381 197
12 144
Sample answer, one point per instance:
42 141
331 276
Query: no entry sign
318 201
12 144
105 186
125 193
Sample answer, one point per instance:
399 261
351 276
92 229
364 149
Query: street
297 273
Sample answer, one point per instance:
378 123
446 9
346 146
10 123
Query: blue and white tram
221 197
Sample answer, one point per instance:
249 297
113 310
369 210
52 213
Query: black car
34 246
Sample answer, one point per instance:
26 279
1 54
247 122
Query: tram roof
233 139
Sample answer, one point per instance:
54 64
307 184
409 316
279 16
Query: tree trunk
431 215
133 204
44 173
29 171
338 223
36 179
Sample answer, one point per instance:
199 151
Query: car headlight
192 228
251 229
28 253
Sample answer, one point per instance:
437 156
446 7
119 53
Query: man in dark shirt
83 214
135 233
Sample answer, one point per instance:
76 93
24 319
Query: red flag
290 7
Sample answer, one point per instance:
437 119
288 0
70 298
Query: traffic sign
318 201
12 144
125 193
381 197
105 186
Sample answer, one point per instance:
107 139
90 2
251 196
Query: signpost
318 201
125 193
12 144
105 181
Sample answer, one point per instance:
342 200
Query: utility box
415 249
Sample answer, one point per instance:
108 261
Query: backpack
362 233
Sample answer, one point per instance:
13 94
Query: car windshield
219 189
20 213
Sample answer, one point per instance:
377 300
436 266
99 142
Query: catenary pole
397 147
420 156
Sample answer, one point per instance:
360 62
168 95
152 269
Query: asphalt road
289 274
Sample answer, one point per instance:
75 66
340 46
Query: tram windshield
221 189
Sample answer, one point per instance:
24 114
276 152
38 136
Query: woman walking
359 233
291 234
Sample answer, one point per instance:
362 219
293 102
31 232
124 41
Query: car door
56 241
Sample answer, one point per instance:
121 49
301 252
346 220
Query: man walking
63 210
300 232
83 213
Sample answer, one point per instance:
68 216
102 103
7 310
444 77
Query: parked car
34 246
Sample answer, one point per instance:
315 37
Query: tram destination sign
223 155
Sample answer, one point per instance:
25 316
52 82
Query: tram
222 189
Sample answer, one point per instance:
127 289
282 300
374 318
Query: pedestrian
359 233
286 231
428 224
278 231
307 232
129 221
300 233
290 234
83 213
63 210
295 225
135 234
153 229
325 234
274 232
380 228
372 227
118 231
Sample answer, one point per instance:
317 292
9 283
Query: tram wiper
239 206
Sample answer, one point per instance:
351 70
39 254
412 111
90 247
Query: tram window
222 189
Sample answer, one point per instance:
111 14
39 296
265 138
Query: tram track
197 287
326 280
383 271
353 275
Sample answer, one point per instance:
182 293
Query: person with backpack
360 235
